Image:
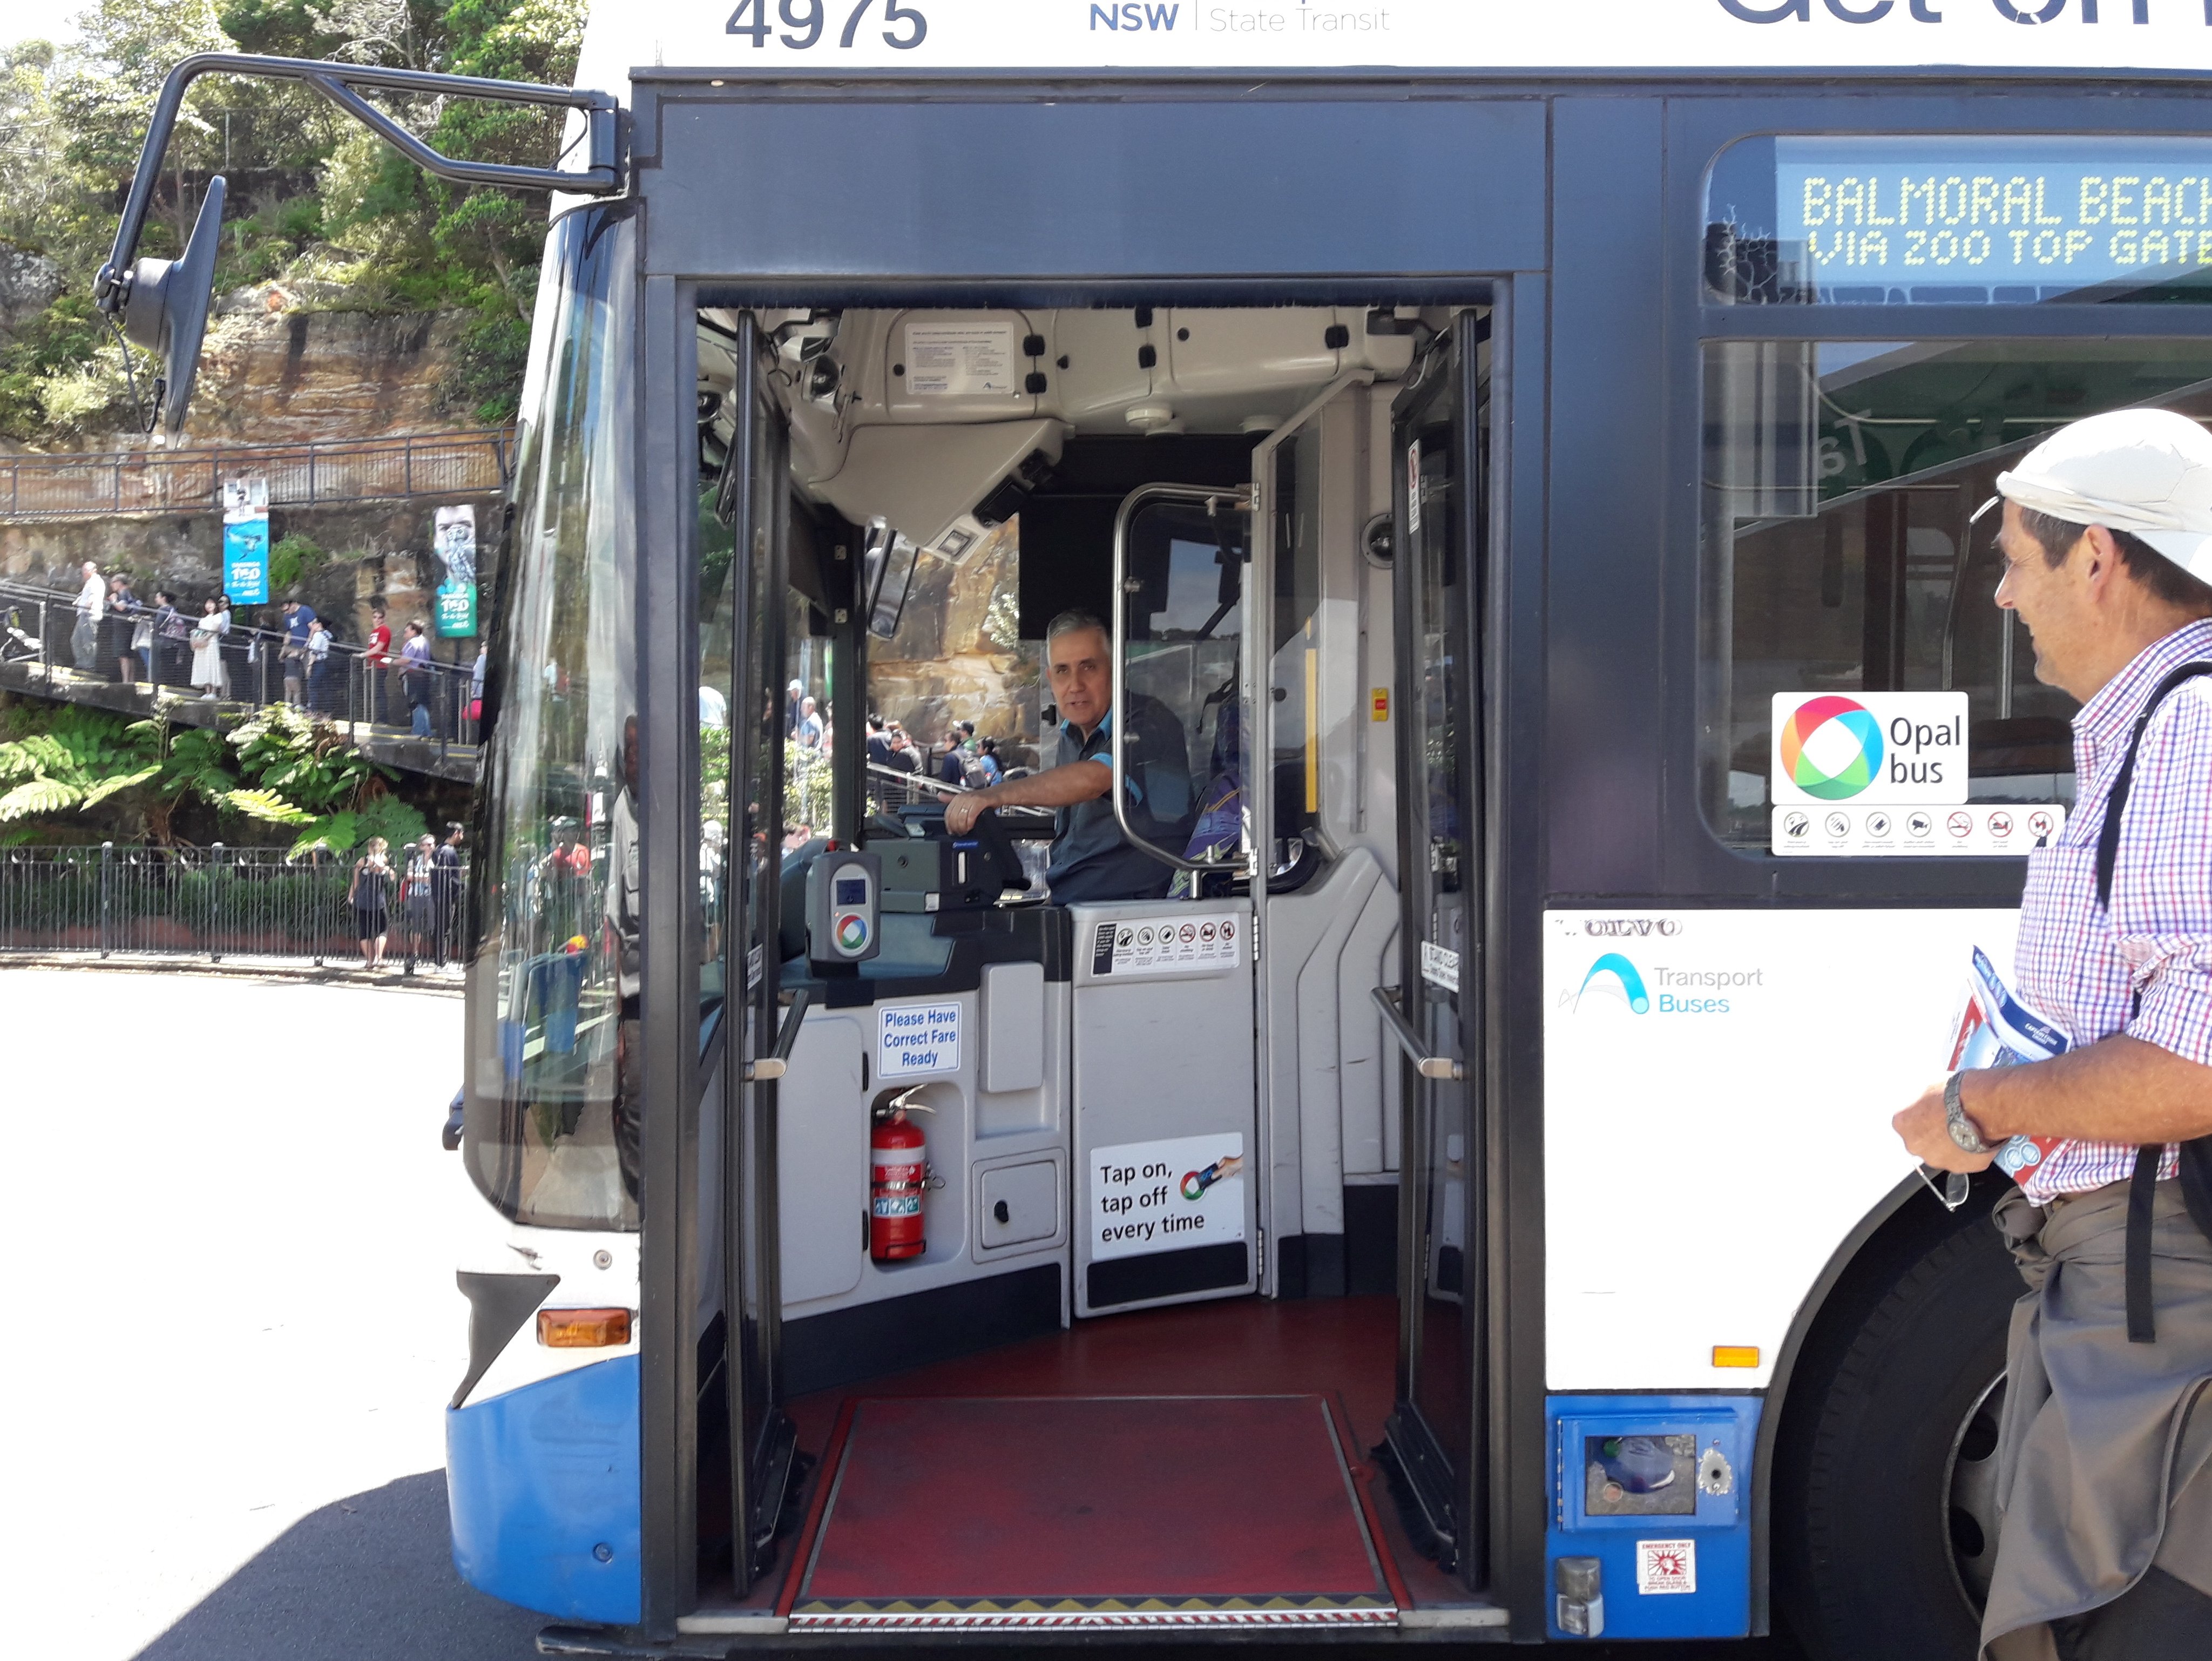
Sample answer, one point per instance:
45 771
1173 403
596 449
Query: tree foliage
313 198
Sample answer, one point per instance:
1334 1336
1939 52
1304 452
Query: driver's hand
961 813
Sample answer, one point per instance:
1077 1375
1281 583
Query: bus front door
742 756
1439 450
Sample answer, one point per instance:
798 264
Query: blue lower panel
543 1484
1673 1550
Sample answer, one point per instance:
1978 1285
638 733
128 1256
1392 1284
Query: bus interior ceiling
1057 1089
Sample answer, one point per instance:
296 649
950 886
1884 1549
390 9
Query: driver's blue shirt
1091 859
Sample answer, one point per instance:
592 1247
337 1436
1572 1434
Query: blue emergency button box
1654 1492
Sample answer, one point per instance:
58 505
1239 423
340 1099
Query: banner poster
457 596
245 541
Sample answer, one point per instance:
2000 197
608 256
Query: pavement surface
242 1281
231 1349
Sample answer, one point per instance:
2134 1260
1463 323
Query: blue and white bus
1526 455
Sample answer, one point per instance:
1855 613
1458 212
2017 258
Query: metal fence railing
432 700
213 902
38 487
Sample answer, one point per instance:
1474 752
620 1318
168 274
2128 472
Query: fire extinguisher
898 1162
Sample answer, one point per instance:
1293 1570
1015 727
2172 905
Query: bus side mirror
167 309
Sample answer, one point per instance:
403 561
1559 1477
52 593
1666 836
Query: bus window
1185 623
1841 553
550 1133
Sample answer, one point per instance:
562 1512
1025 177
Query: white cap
2145 472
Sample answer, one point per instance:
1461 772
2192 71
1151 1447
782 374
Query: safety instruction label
1978 828
1663 1565
1169 945
956 359
1440 965
914 1040
1165 1196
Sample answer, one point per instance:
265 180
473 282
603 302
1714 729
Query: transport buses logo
1616 977
1681 991
1832 748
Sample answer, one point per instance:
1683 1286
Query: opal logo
1613 975
1832 748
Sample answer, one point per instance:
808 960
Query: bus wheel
1884 1517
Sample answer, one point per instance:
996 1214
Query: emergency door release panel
1165 1203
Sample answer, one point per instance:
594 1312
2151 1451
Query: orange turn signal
583 1328
1724 1355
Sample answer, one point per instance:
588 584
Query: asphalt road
236 1327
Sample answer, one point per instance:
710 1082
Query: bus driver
1091 859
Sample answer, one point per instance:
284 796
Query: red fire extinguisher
898 1161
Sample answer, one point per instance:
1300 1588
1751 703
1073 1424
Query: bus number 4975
804 21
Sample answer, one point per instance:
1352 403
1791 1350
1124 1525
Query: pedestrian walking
91 608
418 917
2103 1471
809 730
123 619
376 664
207 649
369 893
318 667
415 678
172 642
298 623
141 641
446 894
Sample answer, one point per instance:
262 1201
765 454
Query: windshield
551 1125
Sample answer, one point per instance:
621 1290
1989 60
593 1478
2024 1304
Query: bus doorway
1036 1197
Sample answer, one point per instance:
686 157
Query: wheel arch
1892 1234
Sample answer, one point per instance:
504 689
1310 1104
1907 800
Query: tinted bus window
1840 554
1844 220
552 1132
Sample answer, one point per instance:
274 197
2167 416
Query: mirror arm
336 82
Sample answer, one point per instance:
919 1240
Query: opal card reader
844 898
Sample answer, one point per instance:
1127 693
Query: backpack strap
2116 804
2195 1171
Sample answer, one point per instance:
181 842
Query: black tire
1872 1559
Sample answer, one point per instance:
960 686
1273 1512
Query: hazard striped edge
1088 1614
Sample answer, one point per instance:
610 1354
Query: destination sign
784 37
1991 218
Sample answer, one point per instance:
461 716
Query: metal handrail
178 481
355 689
1239 499
1442 1068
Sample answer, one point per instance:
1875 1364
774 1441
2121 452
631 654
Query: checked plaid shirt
2082 969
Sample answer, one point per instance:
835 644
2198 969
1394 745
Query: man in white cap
2104 1453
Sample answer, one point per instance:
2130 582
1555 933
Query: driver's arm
1056 787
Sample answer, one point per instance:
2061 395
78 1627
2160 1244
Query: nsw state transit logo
1832 748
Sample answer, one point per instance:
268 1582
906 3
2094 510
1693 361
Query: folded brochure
1995 1029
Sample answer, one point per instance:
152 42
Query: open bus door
1438 448
742 625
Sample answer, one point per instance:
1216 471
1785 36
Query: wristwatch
1963 1131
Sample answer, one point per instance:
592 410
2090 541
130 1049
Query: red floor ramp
1094 1513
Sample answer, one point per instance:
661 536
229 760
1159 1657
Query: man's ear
2103 566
